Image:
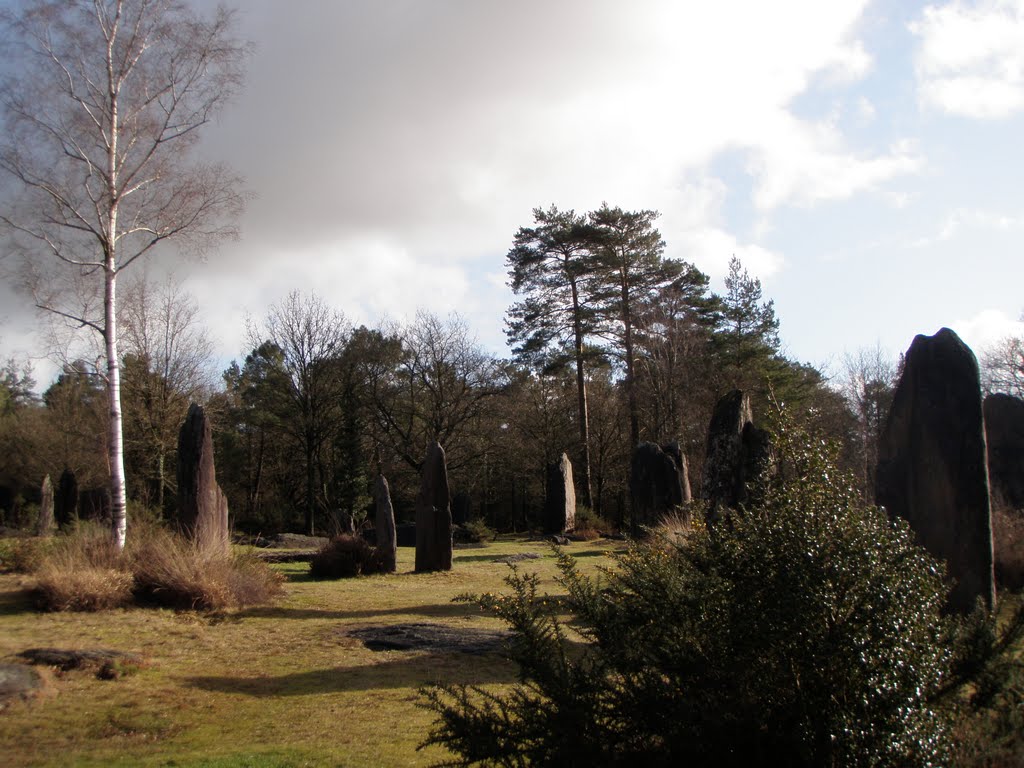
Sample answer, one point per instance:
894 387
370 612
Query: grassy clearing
269 686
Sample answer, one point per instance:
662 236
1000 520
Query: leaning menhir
202 506
560 498
932 463
737 453
658 483
1004 434
434 515
387 542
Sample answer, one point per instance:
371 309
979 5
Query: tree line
612 343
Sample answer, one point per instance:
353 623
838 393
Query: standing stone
434 515
387 539
65 503
658 483
932 463
202 506
45 525
560 498
1004 434
462 508
737 454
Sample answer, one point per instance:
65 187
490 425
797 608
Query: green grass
272 686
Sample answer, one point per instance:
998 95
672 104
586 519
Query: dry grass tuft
675 527
176 573
85 572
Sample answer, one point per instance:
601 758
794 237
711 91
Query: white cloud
971 57
970 219
987 327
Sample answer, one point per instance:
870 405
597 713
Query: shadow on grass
407 672
16 602
439 610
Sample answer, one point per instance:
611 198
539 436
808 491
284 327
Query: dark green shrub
344 557
473 532
804 632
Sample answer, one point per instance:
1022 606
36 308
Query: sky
862 159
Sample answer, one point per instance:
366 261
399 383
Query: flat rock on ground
422 636
18 682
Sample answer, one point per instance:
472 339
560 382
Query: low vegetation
344 557
84 571
276 686
805 631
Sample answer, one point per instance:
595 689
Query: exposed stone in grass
108 664
422 636
517 558
19 683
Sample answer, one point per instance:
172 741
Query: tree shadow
16 602
411 670
503 559
438 610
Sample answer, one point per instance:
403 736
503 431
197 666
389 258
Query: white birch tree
102 103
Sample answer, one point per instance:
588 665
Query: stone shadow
439 610
409 671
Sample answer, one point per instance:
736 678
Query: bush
344 557
587 520
174 572
473 532
85 571
803 632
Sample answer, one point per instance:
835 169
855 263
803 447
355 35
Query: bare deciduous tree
302 340
1002 366
167 365
103 100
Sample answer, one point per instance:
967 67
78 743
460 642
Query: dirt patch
438 638
107 664
19 683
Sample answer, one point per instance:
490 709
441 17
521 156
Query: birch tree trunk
101 101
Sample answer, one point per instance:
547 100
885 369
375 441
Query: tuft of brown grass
83 572
176 573
86 572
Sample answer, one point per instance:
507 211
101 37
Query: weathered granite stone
657 484
202 506
673 450
45 525
560 497
737 454
932 463
387 540
434 515
65 502
1004 433
462 508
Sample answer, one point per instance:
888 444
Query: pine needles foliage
804 631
